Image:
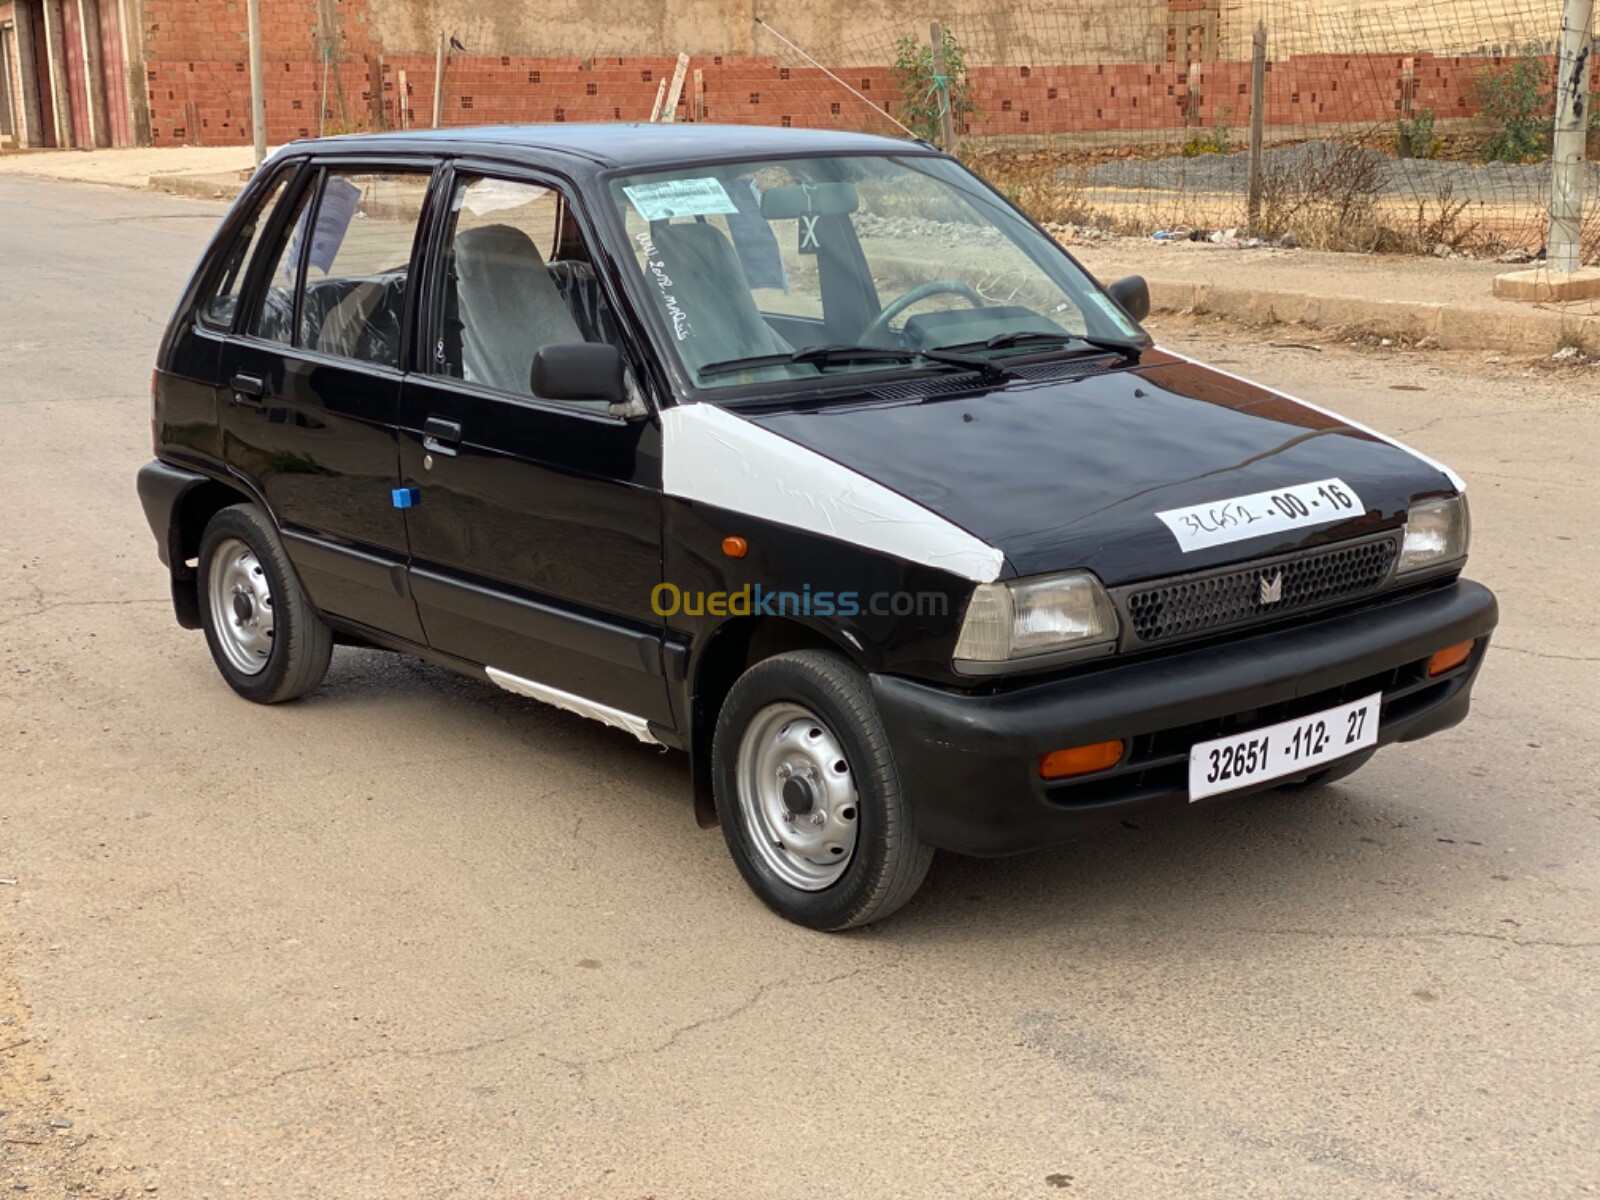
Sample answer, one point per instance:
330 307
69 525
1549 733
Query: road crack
39 612
1412 935
1500 646
332 1064
762 991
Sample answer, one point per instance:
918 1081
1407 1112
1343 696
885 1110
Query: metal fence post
947 117
1572 103
438 82
1258 118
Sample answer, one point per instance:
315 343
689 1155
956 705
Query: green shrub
1217 141
922 99
1519 99
1415 138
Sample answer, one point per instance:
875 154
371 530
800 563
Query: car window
273 319
223 298
353 304
751 263
518 277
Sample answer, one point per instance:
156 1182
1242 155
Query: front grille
1189 606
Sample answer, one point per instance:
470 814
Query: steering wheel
934 287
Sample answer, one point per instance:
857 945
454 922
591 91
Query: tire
267 641
787 728
1338 771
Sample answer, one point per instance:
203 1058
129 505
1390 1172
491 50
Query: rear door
312 383
536 535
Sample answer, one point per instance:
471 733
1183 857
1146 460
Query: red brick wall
1303 90
199 85
197 55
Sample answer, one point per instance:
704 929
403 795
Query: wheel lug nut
817 818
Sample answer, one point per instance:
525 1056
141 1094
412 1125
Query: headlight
1437 532
1011 621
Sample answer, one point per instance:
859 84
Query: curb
1519 329
198 187
1444 326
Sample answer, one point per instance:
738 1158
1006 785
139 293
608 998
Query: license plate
1201 526
1286 748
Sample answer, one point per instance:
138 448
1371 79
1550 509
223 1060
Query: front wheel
809 796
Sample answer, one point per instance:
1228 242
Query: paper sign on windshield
668 198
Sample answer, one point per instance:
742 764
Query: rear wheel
266 639
809 797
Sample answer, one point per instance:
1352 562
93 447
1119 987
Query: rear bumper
162 488
969 762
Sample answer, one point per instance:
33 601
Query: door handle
440 436
247 389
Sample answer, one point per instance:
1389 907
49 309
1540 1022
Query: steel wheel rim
241 606
797 795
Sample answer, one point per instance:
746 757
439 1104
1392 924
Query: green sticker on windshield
669 198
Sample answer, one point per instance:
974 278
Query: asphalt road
413 936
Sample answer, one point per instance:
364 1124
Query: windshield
792 269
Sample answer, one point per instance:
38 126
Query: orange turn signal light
1449 658
1080 760
735 547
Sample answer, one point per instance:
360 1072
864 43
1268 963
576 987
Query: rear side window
339 283
218 309
273 320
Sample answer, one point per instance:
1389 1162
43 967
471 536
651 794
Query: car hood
1071 472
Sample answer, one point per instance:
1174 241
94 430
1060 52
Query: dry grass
1327 200
1038 184
1440 223
1589 235
1330 198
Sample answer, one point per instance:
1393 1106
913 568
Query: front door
536 532
311 389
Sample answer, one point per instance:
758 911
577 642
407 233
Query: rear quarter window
221 300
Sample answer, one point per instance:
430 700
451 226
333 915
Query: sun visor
802 199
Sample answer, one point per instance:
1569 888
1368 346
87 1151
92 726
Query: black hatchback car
803 452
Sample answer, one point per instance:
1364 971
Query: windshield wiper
1023 337
828 355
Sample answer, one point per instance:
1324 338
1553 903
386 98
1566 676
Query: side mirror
1133 294
579 371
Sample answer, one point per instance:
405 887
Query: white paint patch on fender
1456 481
711 456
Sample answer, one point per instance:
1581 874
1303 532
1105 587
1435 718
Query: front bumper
969 763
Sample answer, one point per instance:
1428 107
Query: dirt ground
413 936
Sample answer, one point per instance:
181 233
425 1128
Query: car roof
617 144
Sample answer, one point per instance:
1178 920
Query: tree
923 94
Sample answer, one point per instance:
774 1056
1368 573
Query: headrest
495 244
